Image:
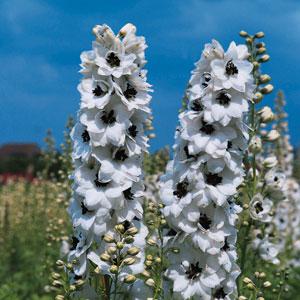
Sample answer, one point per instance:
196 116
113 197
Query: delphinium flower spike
109 143
201 183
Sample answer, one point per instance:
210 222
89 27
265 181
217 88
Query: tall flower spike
109 143
201 182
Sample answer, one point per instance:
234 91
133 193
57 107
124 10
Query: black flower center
204 221
132 131
220 294
181 189
186 151
109 118
75 241
84 209
226 246
258 207
113 60
171 232
85 136
213 179
98 183
121 155
207 128
130 92
231 68
128 194
206 77
97 91
193 271
229 145
224 98
197 105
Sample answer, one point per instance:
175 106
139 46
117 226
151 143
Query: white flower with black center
81 142
95 92
234 71
224 105
260 208
134 92
114 62
211 138
194 273
106 126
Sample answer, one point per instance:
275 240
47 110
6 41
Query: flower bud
255 144
97 270
149 257
146 273
262 275
126 29
114 269
247 280
129 261
105 257
150 282
273 135
257 97
261 50
57 283
270 162
260 45
129 278
264 58
255 64
256 274
245 206
259 35
151 242
267 284
267 89
129 239
133 251
249 40
243 33
60 263
250 286
108 238
59 297
264 78
120 228
260 298
132 231
120 245
266 114
242 298
79 282
72 288
151 136
158 260
55 275
111 250
148 263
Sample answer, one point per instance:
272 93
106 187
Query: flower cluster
109 142
200 185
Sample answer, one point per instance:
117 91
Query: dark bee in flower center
194 271
258 207
224 98
207 128
109 118
120 155
204 221
113 60
213 179
85 136
220 294
128 194
130 92
97 91
231 68
132 131
181 189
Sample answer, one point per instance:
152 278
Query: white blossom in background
109 143
200 184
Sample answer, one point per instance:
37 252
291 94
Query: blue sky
40 44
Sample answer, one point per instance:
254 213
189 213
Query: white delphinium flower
260 208
109 143
199 186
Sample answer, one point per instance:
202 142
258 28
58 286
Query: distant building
19 150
